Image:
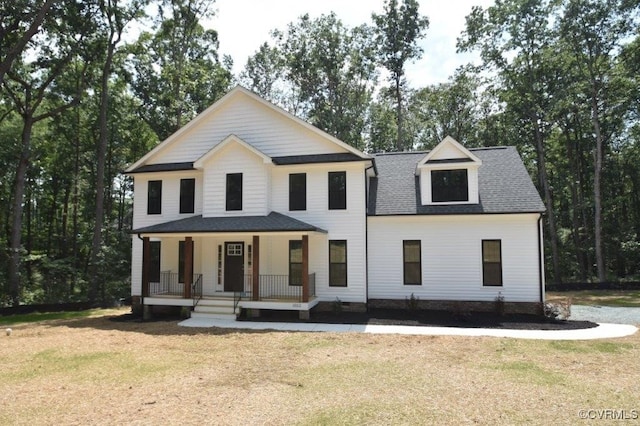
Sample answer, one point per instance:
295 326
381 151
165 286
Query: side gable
255 121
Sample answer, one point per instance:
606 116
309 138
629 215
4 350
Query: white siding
235 158
269 131
452 257
346 224
170 197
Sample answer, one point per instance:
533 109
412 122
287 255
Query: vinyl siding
235 158
349 224
452 256
269 131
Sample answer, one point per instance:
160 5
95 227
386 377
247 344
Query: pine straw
101 371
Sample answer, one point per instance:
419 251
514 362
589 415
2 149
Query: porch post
255 273
188 266
146 264
305 268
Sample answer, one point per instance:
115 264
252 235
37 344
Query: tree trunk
96 242
597 194
400 136
546 190
16 223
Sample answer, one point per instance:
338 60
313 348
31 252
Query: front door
233 266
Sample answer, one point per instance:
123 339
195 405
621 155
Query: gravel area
605 314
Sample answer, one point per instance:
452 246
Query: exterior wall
349 224
235 158
451 250
267 130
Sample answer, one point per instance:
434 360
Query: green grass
47 316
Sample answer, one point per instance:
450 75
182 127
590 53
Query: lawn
101 369
619 298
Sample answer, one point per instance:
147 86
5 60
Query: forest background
84 92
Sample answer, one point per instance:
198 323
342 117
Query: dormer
449 175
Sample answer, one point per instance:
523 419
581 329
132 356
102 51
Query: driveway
605 314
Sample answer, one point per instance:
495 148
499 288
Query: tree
515 39
176 71
398 31
116 16
592 32
21 21
29 86
321 70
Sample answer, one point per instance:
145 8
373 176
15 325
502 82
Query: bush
559 311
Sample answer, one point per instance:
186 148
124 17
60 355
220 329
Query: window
181 259
234 191
449 185
187 195
337 190
154 197
337 263
412 262
234 249
154 261
297 191
295 262
491 262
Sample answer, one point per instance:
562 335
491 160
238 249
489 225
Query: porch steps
214 309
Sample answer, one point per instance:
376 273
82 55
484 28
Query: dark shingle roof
504 185
163 167
317 158
273 222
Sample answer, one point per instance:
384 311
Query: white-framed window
234 249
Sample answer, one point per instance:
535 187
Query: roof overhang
273 223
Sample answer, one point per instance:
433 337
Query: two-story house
247 206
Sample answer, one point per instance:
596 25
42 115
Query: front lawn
112 370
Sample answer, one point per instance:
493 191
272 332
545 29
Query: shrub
559 311
498 304
413 302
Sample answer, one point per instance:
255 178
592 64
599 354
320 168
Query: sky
243 25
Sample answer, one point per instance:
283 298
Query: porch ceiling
273 222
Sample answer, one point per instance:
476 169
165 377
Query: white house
250 207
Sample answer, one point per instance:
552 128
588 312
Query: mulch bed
428 318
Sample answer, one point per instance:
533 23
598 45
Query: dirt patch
429 318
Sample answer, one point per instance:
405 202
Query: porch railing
170 285
275 287
196 289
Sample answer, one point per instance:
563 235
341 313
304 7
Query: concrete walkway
603 331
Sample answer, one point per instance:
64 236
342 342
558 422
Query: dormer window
448 174
449 185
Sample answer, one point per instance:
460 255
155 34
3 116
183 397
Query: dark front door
233 266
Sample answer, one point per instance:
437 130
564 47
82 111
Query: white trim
448 141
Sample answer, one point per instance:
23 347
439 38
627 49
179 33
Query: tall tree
115 17
29 86
514 38
593 31
398 31
176 70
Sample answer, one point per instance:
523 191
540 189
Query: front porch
268 269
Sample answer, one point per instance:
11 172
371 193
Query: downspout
540 260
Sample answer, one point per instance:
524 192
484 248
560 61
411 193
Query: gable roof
273 222
448 143
504 186
229 140
218 105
